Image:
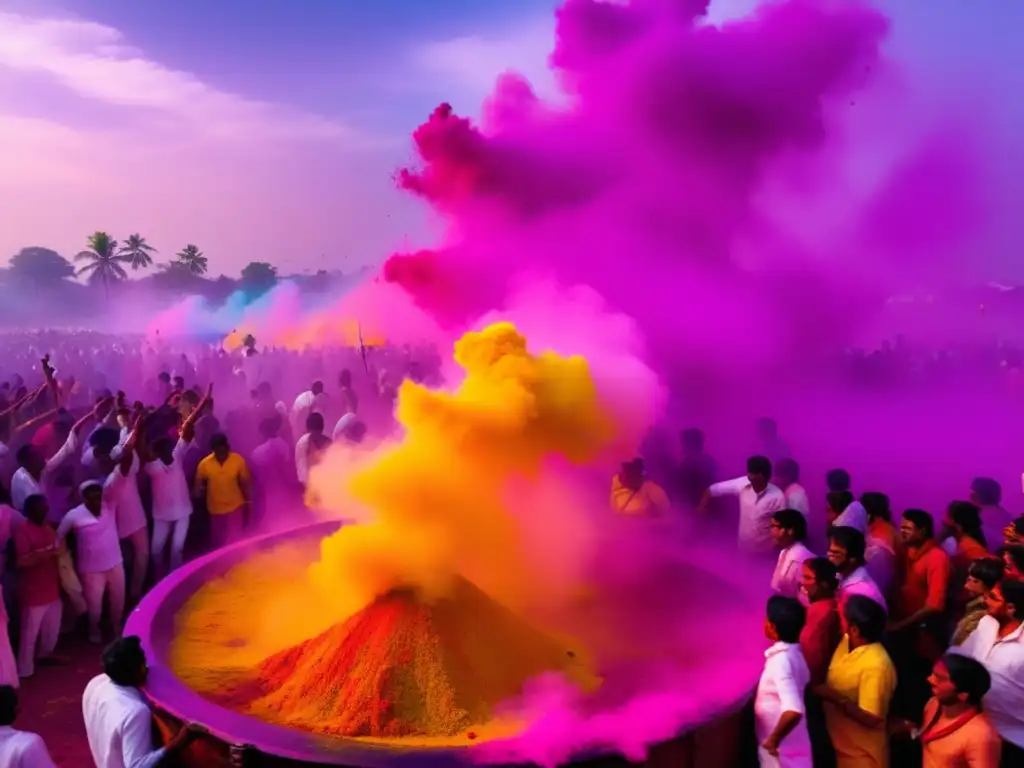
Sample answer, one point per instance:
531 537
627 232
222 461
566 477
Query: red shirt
38 584
926 572
820 636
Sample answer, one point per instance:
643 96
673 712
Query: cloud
94 135
472 63
95 62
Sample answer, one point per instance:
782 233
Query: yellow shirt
223 493
867 676
649 500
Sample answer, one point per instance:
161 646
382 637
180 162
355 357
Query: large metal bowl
714 743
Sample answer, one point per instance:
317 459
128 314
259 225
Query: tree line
105 264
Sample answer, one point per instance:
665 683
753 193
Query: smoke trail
699 181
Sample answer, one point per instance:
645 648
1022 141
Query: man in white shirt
998 643
118 721
789 532
845 511
846 552
19 749
787 477
98 549
313 400
758 500
34 471
779 714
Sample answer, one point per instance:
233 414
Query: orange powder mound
405 667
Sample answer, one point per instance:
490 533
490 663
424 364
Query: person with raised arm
34 471
98 548
163 462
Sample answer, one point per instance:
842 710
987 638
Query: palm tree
135 250
191 257
104 263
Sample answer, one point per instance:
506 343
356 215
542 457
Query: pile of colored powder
404 667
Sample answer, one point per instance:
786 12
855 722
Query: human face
809 583
93 498
1011 568
221 453
780 535
910 533
757 481
836 554
942 687
995 604
974 587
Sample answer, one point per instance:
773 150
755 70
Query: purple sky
263 130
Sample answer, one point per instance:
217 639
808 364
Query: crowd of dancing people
899 642
891 638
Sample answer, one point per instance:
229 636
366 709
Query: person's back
18 749
117 718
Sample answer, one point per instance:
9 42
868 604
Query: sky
266 130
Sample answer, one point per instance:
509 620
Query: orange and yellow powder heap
419 609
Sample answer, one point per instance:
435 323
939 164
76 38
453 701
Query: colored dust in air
411 625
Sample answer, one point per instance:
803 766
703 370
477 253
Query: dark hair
788 617
987 490
1013 593
692 438
356 431
219 440
824 572
968 517
105 438
837 480
270 426
24 453
5 495
787 468
759 465
838 501
315 422
866 615
876 505
1016 553
968 676
922 521
123 659
792 520
124 412
317 388
987 570
8 704
849 539
32 502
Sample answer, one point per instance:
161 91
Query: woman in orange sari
634 495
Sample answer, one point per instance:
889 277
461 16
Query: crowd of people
895 639
901 643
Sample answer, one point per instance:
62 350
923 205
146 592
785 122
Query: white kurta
21 749
786 579
1004 660
119 726
756 510
171 498
781 689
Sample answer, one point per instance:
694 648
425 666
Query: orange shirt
886 532
975 743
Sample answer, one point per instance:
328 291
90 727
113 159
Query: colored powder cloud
440 497
728 187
